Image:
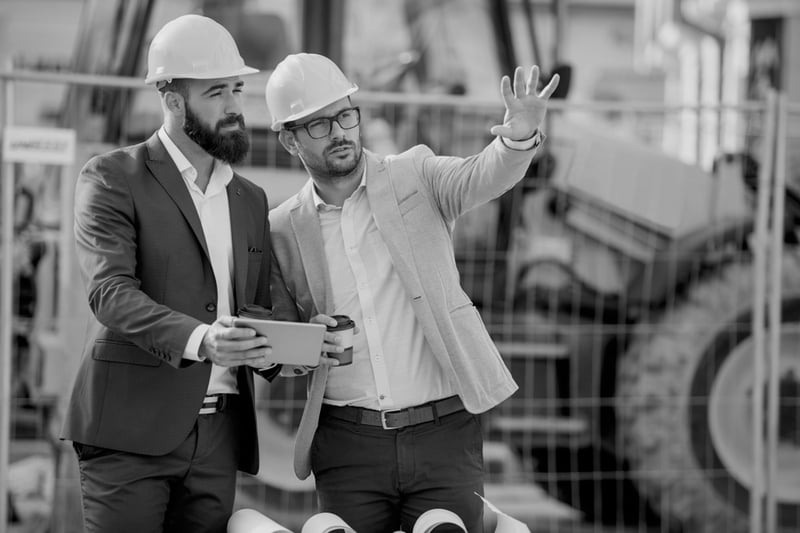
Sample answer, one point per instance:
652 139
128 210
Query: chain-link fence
619 281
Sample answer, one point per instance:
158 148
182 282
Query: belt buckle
384 425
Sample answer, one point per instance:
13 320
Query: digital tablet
293 343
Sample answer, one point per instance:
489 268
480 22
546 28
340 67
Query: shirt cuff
192 350
534 142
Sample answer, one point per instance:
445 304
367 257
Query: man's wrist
534 141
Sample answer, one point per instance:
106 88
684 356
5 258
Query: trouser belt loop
435 413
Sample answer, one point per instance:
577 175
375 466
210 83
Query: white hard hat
193 46
302 84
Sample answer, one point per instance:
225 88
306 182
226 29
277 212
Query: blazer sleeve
106 246
459 184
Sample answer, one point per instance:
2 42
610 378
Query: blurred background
642 281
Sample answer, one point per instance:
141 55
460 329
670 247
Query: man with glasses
396 432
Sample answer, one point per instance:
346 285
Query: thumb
500 130
227 321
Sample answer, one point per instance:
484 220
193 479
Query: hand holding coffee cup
344 328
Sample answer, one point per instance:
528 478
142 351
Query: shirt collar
319 202
221 169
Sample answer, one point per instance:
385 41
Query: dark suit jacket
146 268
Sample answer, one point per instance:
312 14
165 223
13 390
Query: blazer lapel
305 224
165 171
239 239
386 212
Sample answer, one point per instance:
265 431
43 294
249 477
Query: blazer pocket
121 352
410 202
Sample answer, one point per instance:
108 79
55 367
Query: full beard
230 147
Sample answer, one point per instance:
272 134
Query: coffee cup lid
342 322
254 311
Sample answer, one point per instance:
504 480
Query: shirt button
382 397
211 307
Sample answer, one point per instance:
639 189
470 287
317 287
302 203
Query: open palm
525 110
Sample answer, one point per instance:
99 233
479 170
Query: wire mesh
616 280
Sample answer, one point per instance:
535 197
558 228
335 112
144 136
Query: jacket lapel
386 212
306 228
237 211
165 171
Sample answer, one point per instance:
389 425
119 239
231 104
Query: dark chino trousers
381 481
190 490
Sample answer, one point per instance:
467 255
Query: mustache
233 119
339 144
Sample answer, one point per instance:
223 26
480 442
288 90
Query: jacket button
211 307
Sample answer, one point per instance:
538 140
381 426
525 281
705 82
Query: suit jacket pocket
122 352
410 202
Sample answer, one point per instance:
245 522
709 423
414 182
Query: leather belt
217 403
396 418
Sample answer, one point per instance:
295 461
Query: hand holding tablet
293 343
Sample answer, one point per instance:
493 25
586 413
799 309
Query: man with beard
171 242
396 433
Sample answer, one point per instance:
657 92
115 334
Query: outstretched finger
550 87
505 90
533 80
519 82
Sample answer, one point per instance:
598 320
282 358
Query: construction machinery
631 334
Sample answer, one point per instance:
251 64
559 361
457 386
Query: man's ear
174 102
288 141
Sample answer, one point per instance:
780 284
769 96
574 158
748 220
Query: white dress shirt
393 365
212 208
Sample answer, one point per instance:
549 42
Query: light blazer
146 268
415 198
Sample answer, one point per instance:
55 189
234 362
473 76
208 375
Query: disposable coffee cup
255 311
344 327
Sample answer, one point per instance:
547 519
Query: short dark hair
177 85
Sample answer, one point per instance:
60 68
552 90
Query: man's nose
233 105
337 131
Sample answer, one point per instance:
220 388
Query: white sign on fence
22 144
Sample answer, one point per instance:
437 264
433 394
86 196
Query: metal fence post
6 318
775 308
760 273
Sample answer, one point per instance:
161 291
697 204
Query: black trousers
381 481
190 490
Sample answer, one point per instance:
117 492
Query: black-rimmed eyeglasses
321 127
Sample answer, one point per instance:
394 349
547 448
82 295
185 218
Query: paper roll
505 523
251 521
325 523
436 517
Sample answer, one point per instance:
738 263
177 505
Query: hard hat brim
204 76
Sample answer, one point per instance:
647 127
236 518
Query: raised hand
525 110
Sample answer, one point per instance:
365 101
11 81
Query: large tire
684 407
